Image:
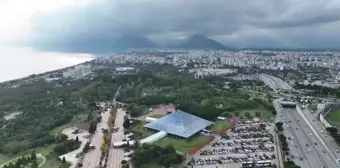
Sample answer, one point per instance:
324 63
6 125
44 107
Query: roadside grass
182 145
335 116
157 115
219 125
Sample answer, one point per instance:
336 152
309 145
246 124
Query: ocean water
17 62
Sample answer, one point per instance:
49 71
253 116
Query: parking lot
247 142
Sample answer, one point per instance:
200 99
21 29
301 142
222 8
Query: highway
274 82
305 128
317 156
319 127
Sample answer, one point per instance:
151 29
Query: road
319 127
116 155
318 157
92 158
274 82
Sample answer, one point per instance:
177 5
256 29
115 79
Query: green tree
24 160
279 126
126 123
18 163
34 164
258 114
247 114
92 128
227 115
33 156
11 165
331 129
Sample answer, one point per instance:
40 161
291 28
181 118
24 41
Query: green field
58 130
47 152
335 116
140 128
4 158
265 114
150 165
219 125
157 115
182 145
79 118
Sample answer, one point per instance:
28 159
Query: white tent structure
150 119
151 139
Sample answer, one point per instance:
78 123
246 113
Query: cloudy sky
238 23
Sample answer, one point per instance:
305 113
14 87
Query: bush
247 114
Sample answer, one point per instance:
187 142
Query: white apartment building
77 71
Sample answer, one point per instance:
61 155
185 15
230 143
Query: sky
61 24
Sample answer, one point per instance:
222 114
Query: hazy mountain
134 41
201 42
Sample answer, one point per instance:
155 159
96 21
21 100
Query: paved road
295 145
92 158
116 155
274 82
318 157
319 127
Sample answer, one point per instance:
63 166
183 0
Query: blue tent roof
179 123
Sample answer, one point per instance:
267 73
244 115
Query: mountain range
192 42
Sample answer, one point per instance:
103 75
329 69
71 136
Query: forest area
204 98
47 105
44 106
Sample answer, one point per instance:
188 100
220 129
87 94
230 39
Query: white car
311 134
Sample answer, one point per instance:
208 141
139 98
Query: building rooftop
179 123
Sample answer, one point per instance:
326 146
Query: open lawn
58 130
140 128
46 151
334 116
219 125
4 158
157 115
79 118
151 165
265 114
182 145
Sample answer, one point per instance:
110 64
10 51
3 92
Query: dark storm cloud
99 24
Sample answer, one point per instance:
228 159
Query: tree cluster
66 146
194 97
46 105
23 161
316 90
284 144
334 133
164 156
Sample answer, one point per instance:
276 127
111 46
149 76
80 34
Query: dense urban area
185 109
